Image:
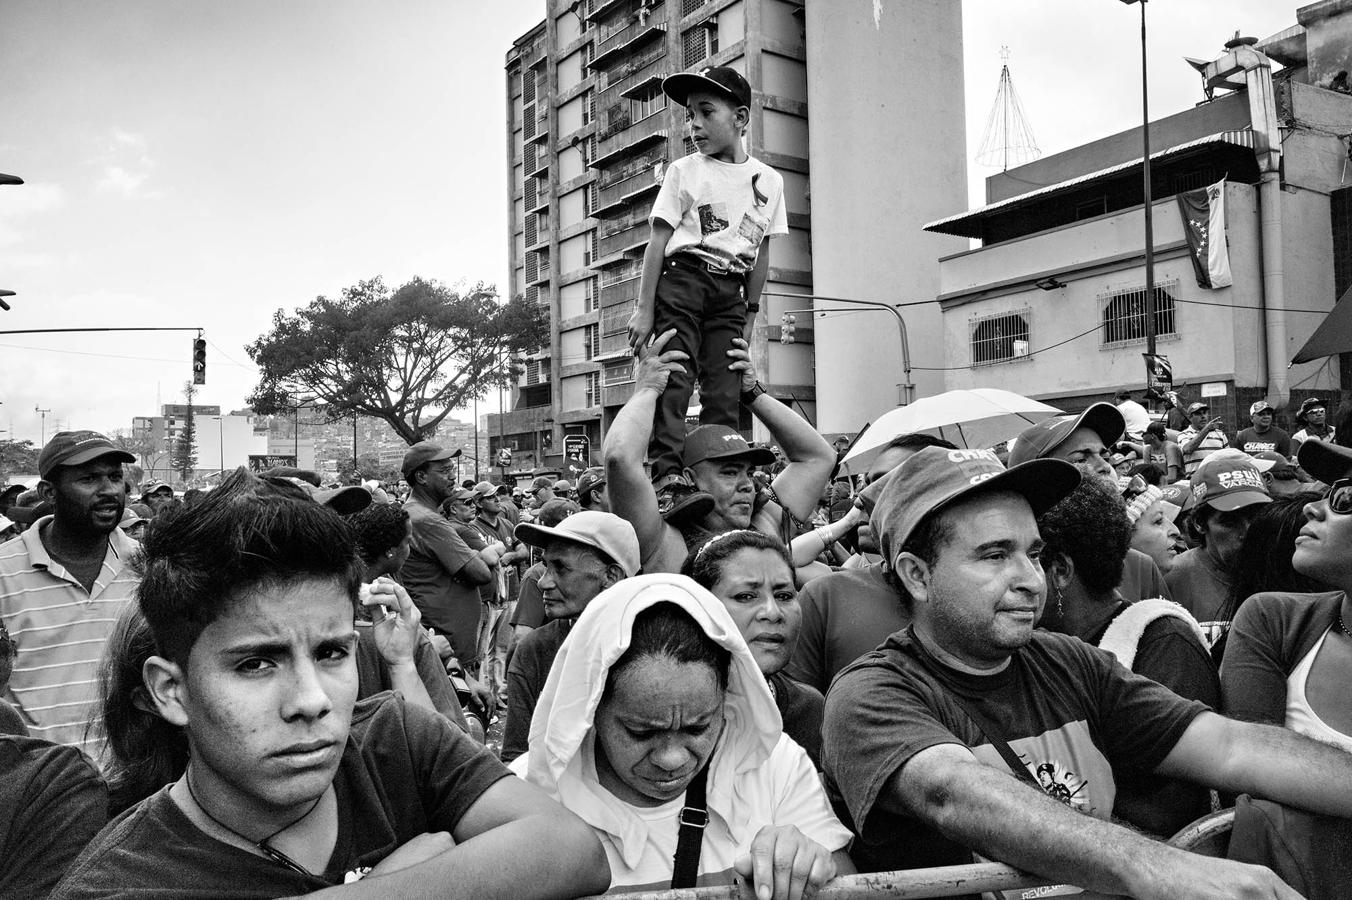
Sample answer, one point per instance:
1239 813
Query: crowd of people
707 662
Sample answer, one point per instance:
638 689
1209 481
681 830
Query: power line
1032 353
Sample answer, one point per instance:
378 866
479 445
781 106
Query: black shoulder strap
982 722
690 840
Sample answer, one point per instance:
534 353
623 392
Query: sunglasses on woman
1340 496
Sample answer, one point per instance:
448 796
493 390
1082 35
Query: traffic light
786 323
199 361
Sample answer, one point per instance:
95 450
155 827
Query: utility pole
43 432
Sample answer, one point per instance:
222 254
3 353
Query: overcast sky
205 163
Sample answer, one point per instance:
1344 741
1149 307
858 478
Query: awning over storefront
1333 336
973 223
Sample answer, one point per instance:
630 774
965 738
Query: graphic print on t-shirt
1067 765
713 218
752 229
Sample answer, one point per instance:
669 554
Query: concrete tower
888 152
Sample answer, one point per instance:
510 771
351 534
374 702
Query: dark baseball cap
723 80
936 478
1039 441
75 448
722 442
592 480
542 482
425 452
485 489
1325 461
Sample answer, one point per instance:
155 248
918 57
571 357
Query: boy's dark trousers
707 310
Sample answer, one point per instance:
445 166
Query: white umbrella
977 418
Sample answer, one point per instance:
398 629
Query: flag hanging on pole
1203 212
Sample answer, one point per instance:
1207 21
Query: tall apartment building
589 134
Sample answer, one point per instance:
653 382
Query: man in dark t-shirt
291 786
1262 435
969 732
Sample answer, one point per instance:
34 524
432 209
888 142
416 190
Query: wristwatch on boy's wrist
749 396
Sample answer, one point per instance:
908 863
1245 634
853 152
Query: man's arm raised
811 459
631 494
1001 818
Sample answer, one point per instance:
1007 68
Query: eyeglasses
1340 496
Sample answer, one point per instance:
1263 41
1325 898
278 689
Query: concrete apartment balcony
619 292
625 183
614 44
631 234
639 69
625 137
602 8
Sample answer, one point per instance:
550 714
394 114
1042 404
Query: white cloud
119 180
126 164
25 199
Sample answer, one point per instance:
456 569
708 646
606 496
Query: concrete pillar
888 152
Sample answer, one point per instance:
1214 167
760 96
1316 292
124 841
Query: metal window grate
697 44
528 87
593 389
591 340
1122 314
1000 337
689 6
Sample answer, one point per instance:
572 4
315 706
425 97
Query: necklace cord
263 846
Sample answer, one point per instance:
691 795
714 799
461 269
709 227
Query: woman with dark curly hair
1086 538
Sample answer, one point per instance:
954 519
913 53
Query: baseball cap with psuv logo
75 448
1229 485
936 478
722 442
723 80
606 532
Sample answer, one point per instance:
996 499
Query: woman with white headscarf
653 694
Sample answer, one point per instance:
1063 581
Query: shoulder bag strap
982 722
690 840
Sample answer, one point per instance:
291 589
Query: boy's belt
690 261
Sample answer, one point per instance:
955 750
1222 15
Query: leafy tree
18 457
140 447
408 357
185 449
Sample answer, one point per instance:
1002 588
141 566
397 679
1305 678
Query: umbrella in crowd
977 418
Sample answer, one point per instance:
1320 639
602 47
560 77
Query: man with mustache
63 584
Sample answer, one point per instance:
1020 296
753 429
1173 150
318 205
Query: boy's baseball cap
1325 461
1260 406
75 448
722 442
1229 485
606 532
723 80
936 478
1040 440
425 452
1197 407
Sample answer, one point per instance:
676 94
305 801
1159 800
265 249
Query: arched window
1000 337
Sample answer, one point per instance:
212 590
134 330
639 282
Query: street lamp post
43 432
220 444
1145 179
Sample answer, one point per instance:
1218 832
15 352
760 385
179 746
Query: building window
528 87
1123 314
593 294
1191 181
1000 337
699 43
646 103
619 372
689 6
591 340
593 389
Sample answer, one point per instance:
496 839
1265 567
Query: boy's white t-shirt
717 213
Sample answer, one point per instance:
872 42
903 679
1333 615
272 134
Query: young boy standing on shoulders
704 269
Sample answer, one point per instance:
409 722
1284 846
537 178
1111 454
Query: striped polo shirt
60 629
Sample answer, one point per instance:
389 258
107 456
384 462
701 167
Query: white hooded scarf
757 775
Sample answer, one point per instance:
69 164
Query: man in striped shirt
63 583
